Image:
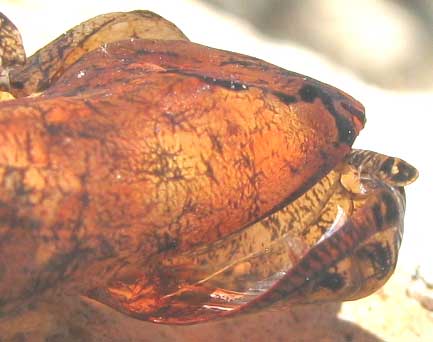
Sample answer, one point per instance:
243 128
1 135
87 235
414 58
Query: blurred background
379 51
388 43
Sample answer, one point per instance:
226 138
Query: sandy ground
398 124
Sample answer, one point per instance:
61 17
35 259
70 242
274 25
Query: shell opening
338 241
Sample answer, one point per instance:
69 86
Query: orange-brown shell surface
206 137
